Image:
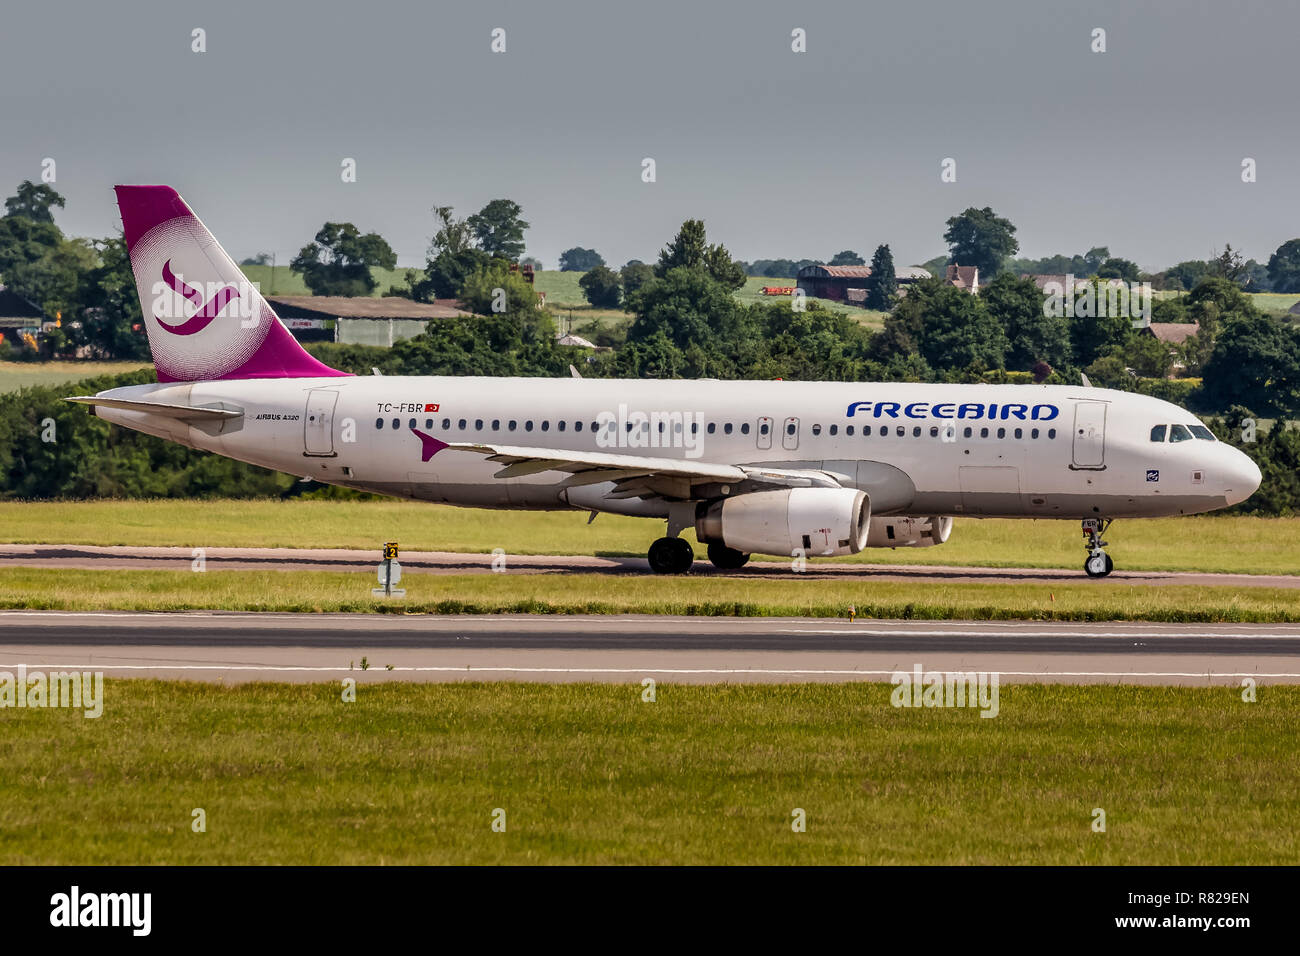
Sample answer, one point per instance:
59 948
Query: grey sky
782 154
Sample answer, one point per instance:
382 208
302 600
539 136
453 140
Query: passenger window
528 425
496 424
901 431
762 429
726 429
916 432
561 424
817 429
1019 433
934 431
1179 433
1158 432
1203 433
984 433
397 423
461 424
1033 433
1051 433
411 423
966 432
713 427
789 428
866 431
546 425
834 429
848 430
446 423
478 424
512 425
379 423
744 429
1002 433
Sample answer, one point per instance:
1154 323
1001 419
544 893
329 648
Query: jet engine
810 521
903 532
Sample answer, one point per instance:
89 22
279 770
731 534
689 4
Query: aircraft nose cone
1241 477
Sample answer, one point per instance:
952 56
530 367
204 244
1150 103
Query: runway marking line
619 670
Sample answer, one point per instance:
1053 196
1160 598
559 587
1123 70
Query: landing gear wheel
727 559
671 556
1099 563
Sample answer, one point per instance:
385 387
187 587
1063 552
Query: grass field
412 773
578 593
16 375
1206 544
287 282
1274 302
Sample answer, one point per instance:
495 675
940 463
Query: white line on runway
618 670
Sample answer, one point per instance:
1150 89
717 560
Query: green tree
494 289
33 202
847 258
1125 269
686 305
499 229
979 237
579 259
1284 267
602 287
634 275
690 249
1256 363
1033 335
1093 334
882 284
951 329
339 261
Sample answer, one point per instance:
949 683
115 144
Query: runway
241 647
447 562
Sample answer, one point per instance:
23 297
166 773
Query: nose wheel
671 556
1098 564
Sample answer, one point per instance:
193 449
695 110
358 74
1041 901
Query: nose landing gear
1098 564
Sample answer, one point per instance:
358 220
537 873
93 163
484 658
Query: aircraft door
764 438
318 423
790 434
1090 435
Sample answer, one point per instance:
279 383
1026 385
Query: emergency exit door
1090 435
318 423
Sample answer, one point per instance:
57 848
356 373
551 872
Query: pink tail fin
204 318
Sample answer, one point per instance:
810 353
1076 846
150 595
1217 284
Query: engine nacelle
811 521
903 532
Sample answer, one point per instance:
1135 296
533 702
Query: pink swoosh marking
204 316
430 445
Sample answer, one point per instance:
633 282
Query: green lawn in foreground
411 773
1226 544
576 593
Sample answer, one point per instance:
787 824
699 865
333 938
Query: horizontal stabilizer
185 413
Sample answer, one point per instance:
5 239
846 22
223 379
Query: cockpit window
1179 433
1158 432
1203 433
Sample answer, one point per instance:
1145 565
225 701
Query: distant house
848 283
1172 333
359 320
966 278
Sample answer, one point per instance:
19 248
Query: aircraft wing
183 413
638 476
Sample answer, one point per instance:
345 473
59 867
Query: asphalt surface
446 562
237 647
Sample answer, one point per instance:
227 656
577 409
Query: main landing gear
727 559
671 556
1099 563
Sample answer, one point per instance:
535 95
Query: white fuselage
917 449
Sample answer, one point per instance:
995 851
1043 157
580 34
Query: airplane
795 469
